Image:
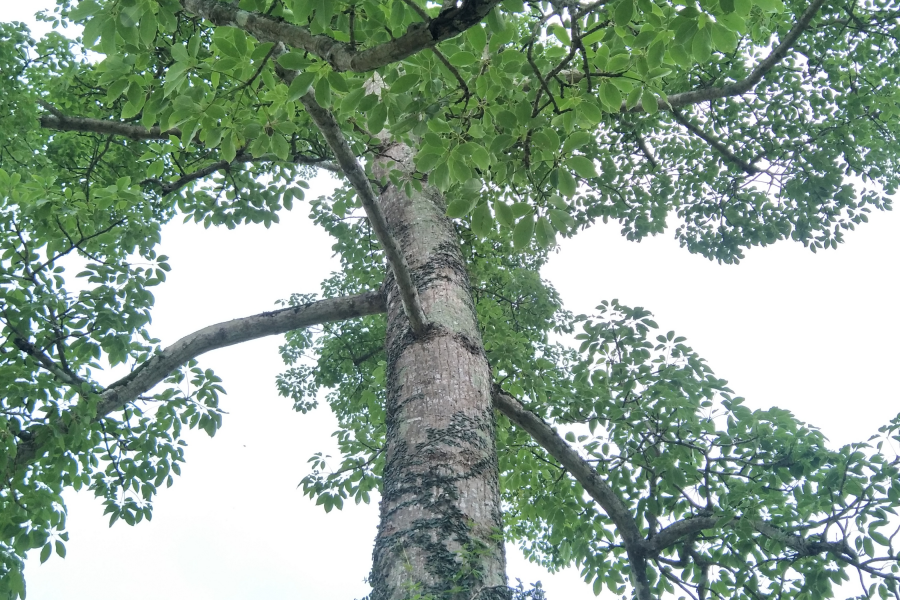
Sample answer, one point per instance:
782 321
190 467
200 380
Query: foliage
739 122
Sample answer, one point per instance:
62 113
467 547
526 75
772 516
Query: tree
750 121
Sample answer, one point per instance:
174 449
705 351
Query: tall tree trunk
440 530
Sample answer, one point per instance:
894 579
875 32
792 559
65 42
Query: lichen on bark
441 526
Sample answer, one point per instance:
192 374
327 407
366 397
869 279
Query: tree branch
298 159
718 146
638 548
48 363
61 122
579 468
341 56
229 333
355 173
590 480
799 544
745 85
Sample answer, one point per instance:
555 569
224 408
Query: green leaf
869 547
85 9
879 538
701 46
624 12
501 143
523 232
582 166
338 83
426 162
649 102
323 92
507 119
481 158
148 28
723 39
293 60
561 34
462 59
440 177
770 6
520 209
618 63
575 140
460 208
567 184
377 117
590 112
300 86
280 146
544 233
734 22
562 221
680 56
482 221
405 83
45 552
504 213
477 37
228 149
611 96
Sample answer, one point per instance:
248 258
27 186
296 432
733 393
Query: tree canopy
737 123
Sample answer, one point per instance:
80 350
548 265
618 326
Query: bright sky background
818 334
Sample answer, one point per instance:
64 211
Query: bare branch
229 333
452 21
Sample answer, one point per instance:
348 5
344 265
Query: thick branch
342 56
157 368
745 85
799 544
579 468
61 122
590 480
354 172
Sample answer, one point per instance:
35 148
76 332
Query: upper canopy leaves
775 120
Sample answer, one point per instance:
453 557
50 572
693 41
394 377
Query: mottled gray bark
440 511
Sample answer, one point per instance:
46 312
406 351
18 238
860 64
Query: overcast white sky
817 334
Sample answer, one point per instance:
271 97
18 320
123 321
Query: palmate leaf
739 123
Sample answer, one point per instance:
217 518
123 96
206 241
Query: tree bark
441 527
